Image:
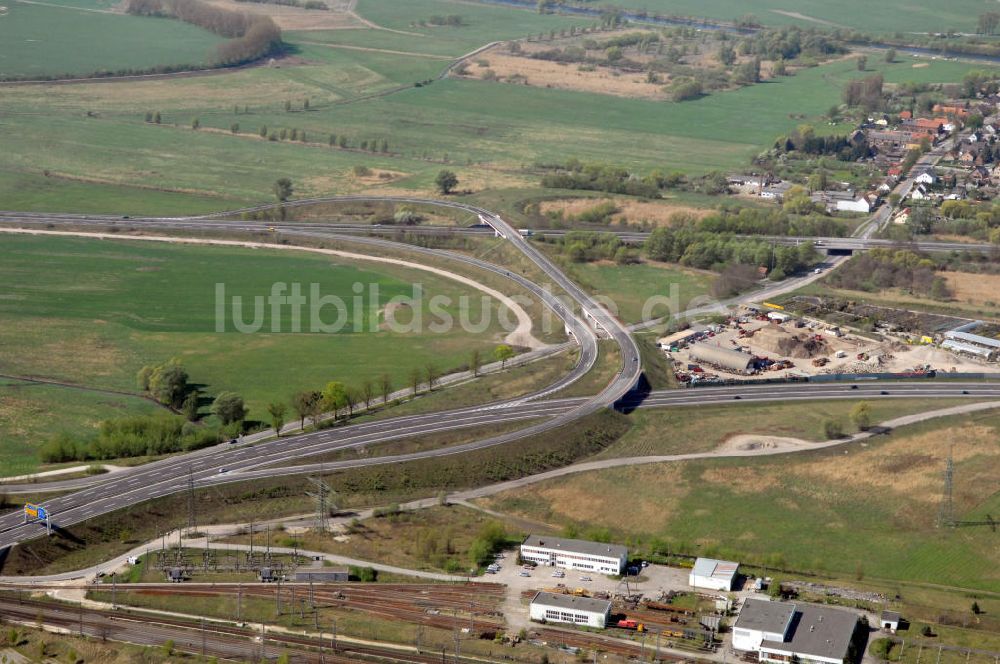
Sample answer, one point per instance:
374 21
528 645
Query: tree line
879 269
169 385
306 4
763 221
341 400
805 140
249 37
575 174
715 251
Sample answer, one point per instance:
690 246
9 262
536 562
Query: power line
323 496
192 524
946 517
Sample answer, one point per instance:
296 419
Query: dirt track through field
520 336
777 446
369 49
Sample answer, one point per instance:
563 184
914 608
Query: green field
864 510
629 289
51 39
890 16
92 313
688 430
62 142
28 415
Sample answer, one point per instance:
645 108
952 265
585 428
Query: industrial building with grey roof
785 631
726 359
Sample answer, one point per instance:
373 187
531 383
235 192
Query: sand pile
798 344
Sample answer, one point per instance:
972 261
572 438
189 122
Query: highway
174 474
824 243
93 497
272 459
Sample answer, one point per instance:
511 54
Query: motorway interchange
93 497
262 457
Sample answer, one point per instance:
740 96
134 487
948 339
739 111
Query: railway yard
468 611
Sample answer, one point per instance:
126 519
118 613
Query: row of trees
342 400
768 221
250 36
599 177
788 43
804 139
879 269
575 174
147 435
160 433
302 4
715 251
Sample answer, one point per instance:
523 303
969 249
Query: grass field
645 291
890 16
43 39
27 415
434 539
689 430
966 302
487 132
862 511
92 313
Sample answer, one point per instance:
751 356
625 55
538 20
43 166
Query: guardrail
849 377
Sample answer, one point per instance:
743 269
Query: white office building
551 607
783 632
574 554
711 574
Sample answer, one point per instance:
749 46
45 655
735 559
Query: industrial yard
761 345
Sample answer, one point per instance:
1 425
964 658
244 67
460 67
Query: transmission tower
323 496
946 518
192 524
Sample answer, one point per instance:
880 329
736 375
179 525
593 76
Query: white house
919 193
552 607
858 204
574 554
713 574
927 177
785 632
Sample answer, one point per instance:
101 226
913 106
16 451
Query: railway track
210 638
446 607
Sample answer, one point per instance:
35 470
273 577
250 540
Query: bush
881 648
250 36
833 429
686 90
363 574
490 540
145 435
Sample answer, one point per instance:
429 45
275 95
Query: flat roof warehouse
571 602
576 546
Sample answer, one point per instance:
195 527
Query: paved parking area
653 580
